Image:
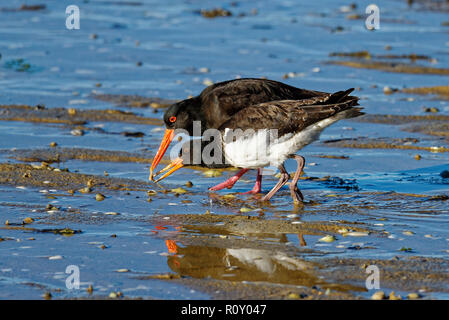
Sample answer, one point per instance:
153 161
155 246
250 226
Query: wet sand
81 119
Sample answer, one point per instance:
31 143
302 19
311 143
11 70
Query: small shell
212 173
99 197
294 296
328 238
179 190
55 258
357 234
413 295
111 213
28 220
379 295
393 296
85 190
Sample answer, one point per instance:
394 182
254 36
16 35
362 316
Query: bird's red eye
172 119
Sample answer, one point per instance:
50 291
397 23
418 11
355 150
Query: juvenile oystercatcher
281 120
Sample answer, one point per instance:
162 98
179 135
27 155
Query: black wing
225 99
290 116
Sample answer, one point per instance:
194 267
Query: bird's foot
256 189
297 196
226 184
253 191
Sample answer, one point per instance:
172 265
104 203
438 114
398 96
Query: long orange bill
168 137
172 167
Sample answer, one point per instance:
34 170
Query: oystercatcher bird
281 120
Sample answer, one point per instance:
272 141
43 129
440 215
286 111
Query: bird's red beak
168 137
172 167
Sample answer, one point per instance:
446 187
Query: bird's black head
181 115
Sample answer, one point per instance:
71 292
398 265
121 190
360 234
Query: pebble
208 82
212 173
151 193
122 270
85 190
47 296
28 220
179 190
113 295
393 296
294 296
55 258
444 174
77 132
189 184
388 90
357 234
417 157
90 289
431 109
71 111
408 233
53 144
99 197
413 296
244 209
112 213
327 238
379 295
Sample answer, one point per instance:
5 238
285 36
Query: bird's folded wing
290 116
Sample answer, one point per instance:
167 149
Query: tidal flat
81 118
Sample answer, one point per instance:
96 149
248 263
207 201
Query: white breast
263 148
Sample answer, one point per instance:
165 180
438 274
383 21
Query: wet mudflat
81 119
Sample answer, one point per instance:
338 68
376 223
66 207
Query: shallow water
174 43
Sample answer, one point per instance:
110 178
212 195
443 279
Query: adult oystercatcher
267 107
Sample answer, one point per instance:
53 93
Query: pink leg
258 186
230 182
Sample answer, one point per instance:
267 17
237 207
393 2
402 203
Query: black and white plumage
274 121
